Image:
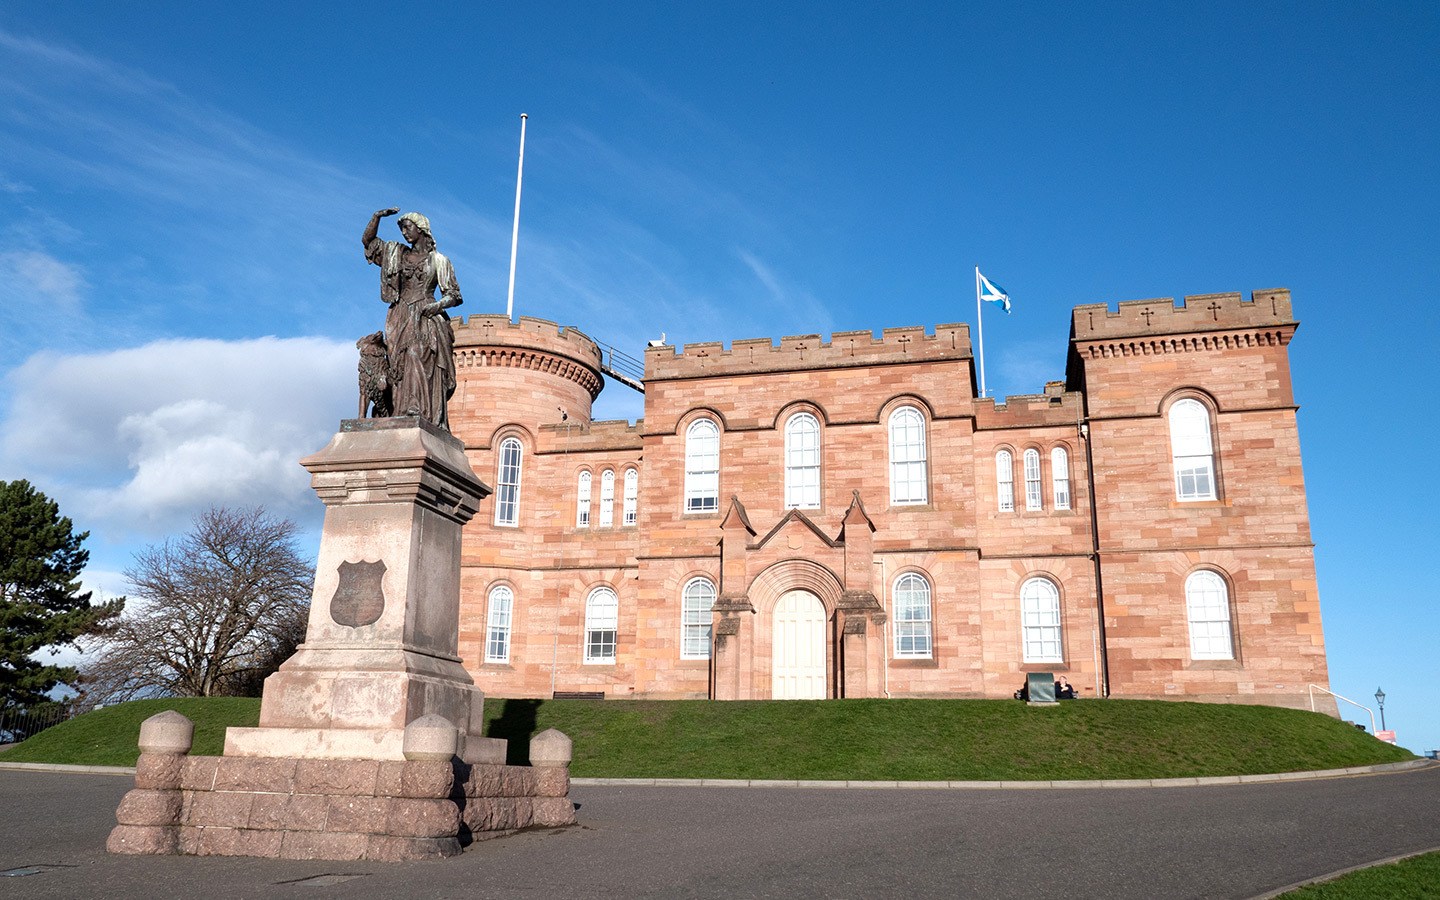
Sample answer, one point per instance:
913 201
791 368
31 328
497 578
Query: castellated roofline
530 343
809 351
1196 313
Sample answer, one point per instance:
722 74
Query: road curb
1274 778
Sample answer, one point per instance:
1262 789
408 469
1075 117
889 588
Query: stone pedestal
369 745
380 650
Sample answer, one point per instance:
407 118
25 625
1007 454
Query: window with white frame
1192 451
1060 477
607 498
802 462
632 498
911 596
695 604
1207 605
702 467
497 624
582 502
1040 621
602 624
908 476
1032 480
507 490
1005 480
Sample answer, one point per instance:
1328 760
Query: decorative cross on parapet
903 340
1214 310
1147 313
701 354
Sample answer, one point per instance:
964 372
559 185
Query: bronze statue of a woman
419 344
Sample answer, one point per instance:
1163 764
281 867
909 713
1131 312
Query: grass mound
912 740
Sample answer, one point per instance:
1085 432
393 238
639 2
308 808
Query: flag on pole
993 292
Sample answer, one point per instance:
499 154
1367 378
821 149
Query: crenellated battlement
1054 407
535 344
1197 313
605 435
809 351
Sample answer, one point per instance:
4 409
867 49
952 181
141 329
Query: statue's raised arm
419 345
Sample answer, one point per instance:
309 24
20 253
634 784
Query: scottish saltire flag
993 292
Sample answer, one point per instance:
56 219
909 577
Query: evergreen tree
41 604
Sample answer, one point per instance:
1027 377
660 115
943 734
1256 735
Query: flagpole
980 330
515 232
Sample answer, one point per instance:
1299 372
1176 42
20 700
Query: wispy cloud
42 282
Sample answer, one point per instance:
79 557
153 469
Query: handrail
1316 687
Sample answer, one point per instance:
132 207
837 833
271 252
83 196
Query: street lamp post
1380 699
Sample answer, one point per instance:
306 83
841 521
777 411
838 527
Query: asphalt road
1223 841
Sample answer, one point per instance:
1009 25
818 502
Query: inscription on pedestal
359 599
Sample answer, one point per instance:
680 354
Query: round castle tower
521 374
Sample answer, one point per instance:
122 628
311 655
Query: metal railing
18 723
622 367
1316 687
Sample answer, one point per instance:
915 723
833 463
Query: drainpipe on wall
885 630
1104 673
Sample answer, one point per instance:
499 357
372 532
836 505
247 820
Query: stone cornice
1159 345
532 359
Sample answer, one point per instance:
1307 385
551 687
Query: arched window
1032 480
607 498
632 497
1005 480
602 623
1040 621
912 617
695 603
582 502
497 625
1060 477
1191 450
507 491
802 462
1207 605
908 476
702 467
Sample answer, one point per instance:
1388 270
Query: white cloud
138 440
41 283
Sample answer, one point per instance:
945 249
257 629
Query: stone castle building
846 518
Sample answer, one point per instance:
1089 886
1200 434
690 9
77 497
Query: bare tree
211 613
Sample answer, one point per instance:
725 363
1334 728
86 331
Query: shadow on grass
516 724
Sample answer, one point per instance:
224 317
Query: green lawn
919 740
1416 878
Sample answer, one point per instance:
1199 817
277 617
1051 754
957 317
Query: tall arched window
1032 480
507 490
912 617
582 502
497 625
1207 605
908 476
607 498
702 467
1040 621
695 603
1060 477
1192 451
802 462
602 625
1005 480
632 497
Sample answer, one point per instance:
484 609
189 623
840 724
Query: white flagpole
980 329
515 233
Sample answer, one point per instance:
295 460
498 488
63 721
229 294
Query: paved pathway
1208 841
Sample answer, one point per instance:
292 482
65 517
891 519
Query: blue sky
184 186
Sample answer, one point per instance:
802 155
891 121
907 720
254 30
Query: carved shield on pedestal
358 598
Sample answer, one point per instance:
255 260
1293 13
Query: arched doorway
798 660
